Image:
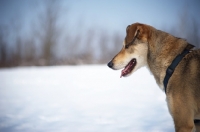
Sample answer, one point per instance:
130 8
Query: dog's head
133 54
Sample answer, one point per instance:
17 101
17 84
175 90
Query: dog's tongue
128 68
125 71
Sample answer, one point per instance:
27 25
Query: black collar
174 63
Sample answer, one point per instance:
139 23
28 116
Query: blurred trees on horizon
50 42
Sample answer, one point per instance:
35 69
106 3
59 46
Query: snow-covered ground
81 99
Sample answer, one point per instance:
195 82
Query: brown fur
159 50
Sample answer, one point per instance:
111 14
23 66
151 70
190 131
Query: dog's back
187 76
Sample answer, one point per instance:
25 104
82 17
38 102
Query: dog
144 45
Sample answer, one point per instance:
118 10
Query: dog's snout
110 64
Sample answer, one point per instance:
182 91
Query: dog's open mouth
128 68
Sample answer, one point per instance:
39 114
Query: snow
88 98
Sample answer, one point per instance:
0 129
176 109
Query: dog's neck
161 52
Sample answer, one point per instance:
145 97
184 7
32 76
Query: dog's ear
131 33
137 30
127 28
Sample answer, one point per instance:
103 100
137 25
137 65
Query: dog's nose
110 64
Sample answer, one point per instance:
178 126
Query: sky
118 14
112 15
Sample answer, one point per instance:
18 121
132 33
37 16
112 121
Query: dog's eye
126 46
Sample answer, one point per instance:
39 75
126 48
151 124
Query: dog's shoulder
193 54
190 64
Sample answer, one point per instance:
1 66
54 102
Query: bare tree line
48 39
50 44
